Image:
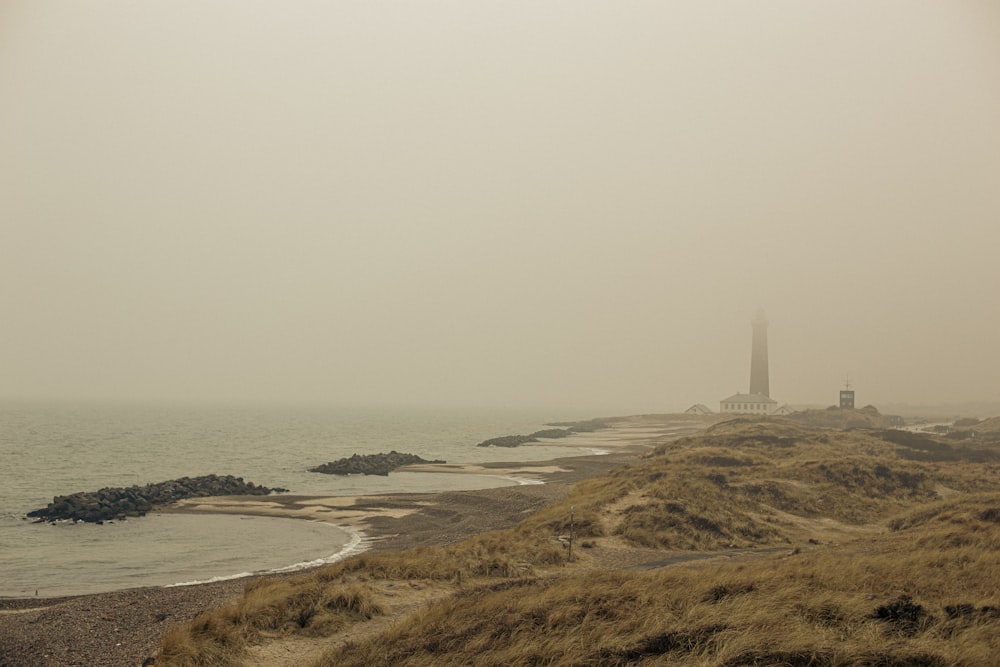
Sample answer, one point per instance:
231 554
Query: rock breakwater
588 426
118 503
518 440
370 464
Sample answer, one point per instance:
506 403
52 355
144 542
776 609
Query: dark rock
119 503
517 440
507 441
552 433
370 464
588 426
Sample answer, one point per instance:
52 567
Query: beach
123 627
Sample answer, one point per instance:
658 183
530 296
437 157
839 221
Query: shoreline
124 627
356 513
397 521
356 544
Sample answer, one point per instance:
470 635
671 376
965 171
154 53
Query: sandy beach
123 627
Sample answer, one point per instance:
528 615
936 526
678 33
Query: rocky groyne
370 464
118 503
518 440
588 426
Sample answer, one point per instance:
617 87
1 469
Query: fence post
569 553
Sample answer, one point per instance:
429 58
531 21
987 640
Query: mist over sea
51 449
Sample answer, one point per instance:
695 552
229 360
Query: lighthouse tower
758 401
759 383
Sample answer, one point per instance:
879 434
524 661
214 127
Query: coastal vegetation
786 544
835 417
370 464
118 503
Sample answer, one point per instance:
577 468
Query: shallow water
162 549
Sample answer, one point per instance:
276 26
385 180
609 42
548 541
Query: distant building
754 404
847 399
847 396
698 409
783 410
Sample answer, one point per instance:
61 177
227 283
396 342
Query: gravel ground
119 628
123 628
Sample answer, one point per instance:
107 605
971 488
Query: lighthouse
759 383
758 401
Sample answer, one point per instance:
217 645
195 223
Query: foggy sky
573 204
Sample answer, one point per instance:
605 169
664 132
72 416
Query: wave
357 543
522 481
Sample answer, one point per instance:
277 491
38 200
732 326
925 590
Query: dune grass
299 605
330 598
733 486
916 596
915 585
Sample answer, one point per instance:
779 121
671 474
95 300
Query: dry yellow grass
331 598
306 605
912 581
735 486
917 596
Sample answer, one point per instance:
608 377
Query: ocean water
49 449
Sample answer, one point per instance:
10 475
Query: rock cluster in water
118 503
588 426
517 440
370 464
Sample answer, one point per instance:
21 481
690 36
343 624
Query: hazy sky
574 204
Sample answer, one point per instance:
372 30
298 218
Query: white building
748 404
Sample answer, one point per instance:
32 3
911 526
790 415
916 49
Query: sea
49 449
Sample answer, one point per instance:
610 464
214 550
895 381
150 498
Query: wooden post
569 553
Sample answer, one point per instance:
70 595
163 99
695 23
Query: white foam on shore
213 580
522 481
357 543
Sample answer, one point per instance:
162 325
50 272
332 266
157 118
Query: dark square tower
847 395
847 399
